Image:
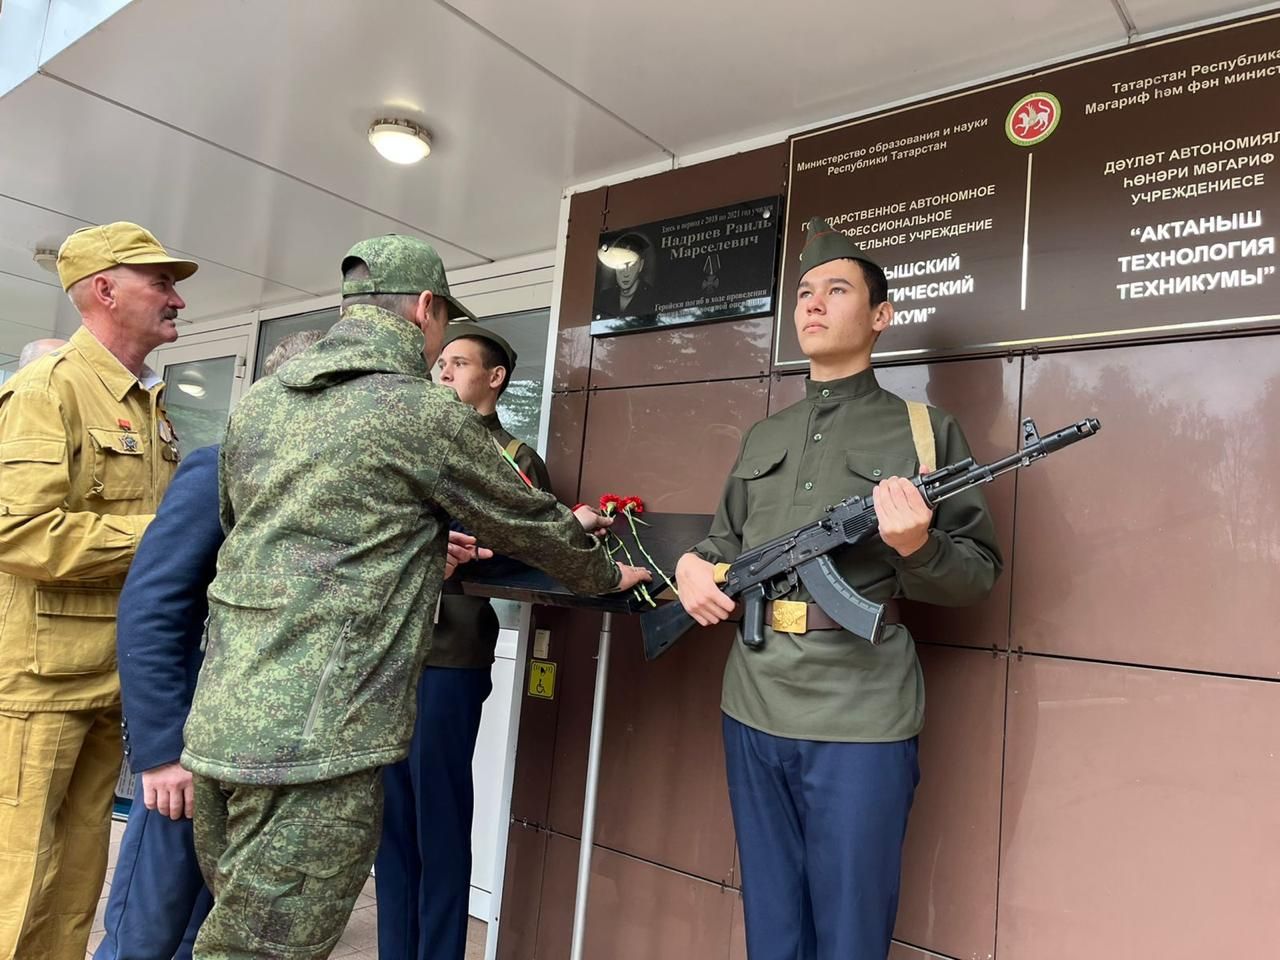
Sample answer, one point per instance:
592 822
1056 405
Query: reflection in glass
198 398
520 408
271 332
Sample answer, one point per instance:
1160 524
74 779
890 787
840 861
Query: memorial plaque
704 266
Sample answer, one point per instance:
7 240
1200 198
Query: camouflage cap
400 264
457 331
825 243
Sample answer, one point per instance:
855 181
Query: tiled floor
359 942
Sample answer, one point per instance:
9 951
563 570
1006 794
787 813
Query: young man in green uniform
820 727
423 868
338 477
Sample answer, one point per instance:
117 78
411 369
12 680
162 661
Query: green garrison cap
825 243
458 330
400 264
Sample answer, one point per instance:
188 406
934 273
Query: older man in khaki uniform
86 451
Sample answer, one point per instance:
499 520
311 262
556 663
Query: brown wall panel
900 951
577 290
575 650
948 900
738 933
637 911
785 391
662 794
521 892
983 396
1156 542
743 176
564 443
559 887
672 446
719 351
1138 814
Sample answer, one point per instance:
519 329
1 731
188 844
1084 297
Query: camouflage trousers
285 863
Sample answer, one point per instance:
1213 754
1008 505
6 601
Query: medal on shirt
165 430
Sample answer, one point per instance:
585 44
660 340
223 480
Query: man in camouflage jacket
338 478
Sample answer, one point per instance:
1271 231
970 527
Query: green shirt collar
860 384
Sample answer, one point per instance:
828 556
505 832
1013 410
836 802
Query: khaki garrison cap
91 250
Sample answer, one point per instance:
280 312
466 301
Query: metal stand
593 776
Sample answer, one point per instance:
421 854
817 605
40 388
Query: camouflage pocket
306 880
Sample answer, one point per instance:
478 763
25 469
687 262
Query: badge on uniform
165 429
129 443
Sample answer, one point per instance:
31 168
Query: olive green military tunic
466 635
845 437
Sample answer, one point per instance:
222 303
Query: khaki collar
113 374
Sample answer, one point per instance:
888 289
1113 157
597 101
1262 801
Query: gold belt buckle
790 616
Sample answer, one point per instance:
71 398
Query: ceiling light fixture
46 258
192 389
400 141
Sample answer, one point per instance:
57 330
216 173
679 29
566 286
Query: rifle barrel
985 473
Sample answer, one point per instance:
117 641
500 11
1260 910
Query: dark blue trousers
158 898
820 829
423 868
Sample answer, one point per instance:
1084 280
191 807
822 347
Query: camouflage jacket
466 632
338 476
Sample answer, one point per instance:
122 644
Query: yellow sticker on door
542 679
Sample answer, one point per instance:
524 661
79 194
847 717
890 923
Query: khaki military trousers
285 863
57 776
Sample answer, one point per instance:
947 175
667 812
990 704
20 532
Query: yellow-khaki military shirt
86 452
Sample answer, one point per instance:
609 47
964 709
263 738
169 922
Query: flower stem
639 589
636 533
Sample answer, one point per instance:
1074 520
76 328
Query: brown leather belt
786 616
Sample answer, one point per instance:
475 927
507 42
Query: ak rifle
772 570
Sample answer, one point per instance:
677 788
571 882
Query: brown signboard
1127 195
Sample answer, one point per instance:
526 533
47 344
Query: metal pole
589 801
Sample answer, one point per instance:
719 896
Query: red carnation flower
610 502
634 504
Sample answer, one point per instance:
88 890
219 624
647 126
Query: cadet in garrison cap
338 479
86 451
818 720
423 868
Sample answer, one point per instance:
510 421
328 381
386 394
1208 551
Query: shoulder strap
922 435
513 447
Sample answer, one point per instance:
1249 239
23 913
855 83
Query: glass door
203 381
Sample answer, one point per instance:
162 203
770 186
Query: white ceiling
235 130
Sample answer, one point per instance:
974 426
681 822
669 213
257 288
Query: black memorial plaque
713 265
